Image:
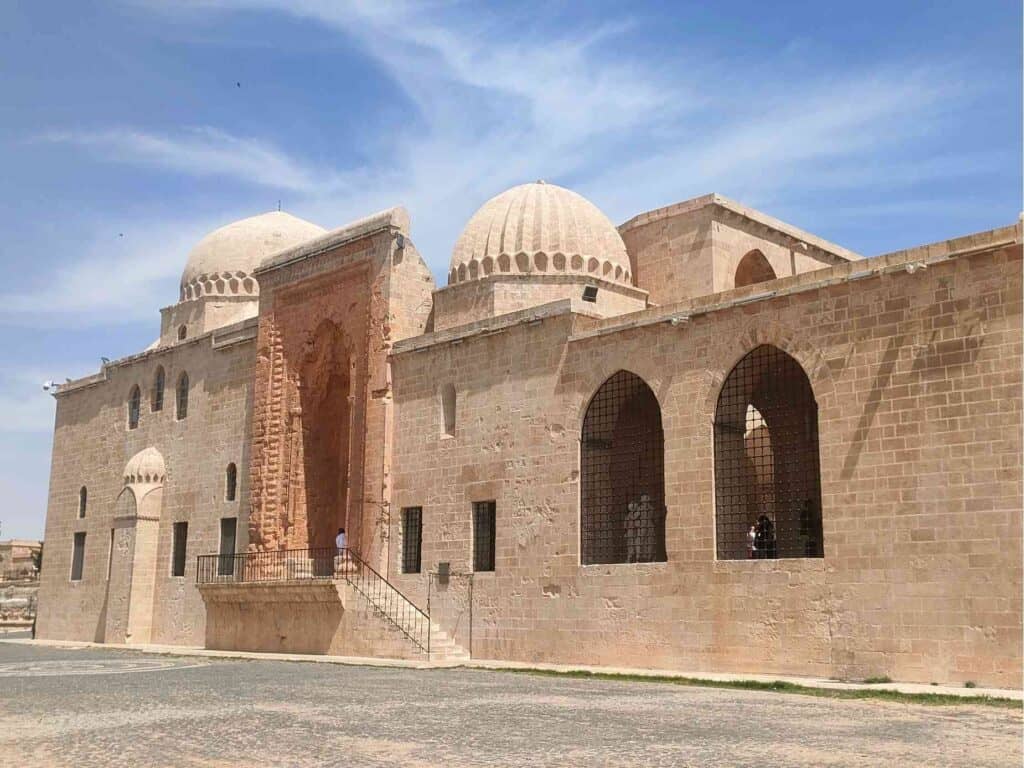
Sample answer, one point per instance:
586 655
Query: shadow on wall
325 387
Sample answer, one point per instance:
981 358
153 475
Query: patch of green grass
880 679
780 686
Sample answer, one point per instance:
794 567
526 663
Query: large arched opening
622 474
767 467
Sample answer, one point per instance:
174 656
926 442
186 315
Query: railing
324 563
277 565
388 601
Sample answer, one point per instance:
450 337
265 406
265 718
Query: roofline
835 254
395 219
225 336
874 267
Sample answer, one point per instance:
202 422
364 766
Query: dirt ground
99 707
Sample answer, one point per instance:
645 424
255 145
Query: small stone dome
539 228
222 263
145 467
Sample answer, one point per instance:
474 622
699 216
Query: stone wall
320 617
917 377
487 297
91 448
693 248
322 411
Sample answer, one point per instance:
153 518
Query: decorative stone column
129 608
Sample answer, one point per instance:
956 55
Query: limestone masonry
705 440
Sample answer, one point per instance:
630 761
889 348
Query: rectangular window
78 556
484 513
412 539
179 541
226 560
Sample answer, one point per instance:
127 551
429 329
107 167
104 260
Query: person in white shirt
341 556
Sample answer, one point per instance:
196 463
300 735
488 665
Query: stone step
442 646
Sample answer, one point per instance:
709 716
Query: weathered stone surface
332 397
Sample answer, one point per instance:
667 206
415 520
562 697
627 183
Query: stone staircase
408 630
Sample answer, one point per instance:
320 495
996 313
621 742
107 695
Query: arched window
182 410
622 475
157 400
83 501
134 405
230 482
753 268
767 472
448 408
182 332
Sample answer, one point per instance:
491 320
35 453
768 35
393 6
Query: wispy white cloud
198 151
499 101
24 404
114 278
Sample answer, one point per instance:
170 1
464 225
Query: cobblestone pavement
118 708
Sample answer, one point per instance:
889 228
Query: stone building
18 558
704 440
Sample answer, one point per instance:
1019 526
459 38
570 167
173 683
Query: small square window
412 539
484 513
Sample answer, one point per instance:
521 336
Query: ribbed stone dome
539 228
222 263
146 466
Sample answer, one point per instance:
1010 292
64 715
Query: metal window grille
134 405
157 401
767 471
226 551
484 514
230 482
182 396
622 475
179 542
412 539
78 556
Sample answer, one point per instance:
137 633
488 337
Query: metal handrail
388 601
326 563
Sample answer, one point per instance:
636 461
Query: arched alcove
622 474
767 469
753 268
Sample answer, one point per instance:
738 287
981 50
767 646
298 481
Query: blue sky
125 136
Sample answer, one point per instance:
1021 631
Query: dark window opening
78 556
484 514
230 482
179 540
134 406
182 332
448 408
182 411
412 539
83 501
767 470
157 401
226 552
622 475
